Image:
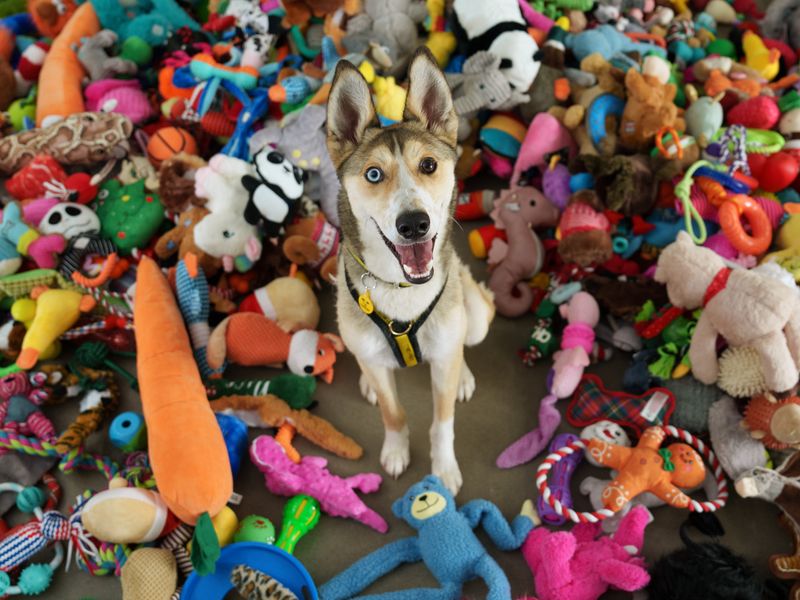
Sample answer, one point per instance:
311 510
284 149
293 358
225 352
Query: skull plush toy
76 223
71 220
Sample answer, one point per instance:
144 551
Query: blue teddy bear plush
446 544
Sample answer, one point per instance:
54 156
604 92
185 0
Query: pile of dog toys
169 198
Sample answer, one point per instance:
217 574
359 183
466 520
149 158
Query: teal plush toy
153 21
445 542
129 214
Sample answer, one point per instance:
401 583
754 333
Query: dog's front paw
395 454
367 391
447 470
466 384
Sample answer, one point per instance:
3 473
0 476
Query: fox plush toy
251 339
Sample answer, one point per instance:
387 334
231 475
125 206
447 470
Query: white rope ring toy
543 473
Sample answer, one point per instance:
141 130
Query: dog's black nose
413 225
423 498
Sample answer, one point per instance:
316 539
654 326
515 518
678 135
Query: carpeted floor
503 408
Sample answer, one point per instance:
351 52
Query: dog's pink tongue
417 259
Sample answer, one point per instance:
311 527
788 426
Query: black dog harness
400 335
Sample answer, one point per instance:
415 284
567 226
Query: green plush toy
129 214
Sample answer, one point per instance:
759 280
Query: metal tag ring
366 278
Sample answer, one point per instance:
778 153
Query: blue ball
581 181
234 431
35 579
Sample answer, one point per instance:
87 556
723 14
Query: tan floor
503 408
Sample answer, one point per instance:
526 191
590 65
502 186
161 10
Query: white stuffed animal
224 232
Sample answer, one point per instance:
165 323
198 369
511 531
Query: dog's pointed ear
350 111
429 100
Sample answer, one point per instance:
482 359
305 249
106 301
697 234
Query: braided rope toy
28 540
69 462
543 473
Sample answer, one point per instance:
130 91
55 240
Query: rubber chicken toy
56 311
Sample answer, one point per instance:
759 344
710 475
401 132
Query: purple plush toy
560 478
336 495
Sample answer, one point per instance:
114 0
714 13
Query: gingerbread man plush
648 468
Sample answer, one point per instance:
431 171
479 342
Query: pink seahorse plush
336 495
578 565
582 313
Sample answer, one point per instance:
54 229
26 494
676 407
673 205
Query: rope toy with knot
95 355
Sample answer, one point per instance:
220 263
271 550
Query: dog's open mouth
416 260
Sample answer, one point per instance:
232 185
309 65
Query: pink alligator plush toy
336 495
577 340
578 565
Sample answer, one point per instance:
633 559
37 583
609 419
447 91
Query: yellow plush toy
788 240
390 98
23 310
56 311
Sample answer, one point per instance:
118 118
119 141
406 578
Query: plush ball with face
70 220
607 431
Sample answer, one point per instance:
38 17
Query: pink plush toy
123 96
577 340
516 211
336 495
19 413
578 565
546 136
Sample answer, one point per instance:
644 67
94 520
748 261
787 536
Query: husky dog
403 294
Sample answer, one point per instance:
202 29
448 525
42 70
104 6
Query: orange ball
169 141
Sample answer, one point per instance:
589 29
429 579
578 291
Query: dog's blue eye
427 165
374 175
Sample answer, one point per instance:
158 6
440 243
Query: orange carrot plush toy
60 90
185 444
648 468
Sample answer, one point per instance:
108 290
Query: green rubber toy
255 529
300 515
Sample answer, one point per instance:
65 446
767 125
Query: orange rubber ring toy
101 278
730 214
675 138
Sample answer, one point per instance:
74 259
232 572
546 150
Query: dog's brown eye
427 165
373 175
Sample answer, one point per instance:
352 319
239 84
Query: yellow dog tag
365 302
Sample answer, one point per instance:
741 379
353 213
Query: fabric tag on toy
592 402
654 406
235 499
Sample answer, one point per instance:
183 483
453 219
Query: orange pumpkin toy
648 468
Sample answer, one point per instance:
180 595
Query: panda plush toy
275 192
500 28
